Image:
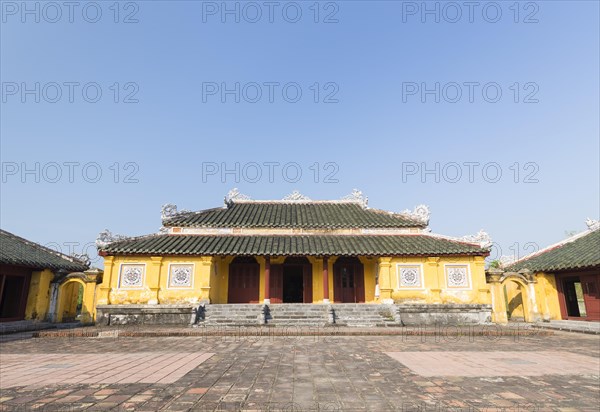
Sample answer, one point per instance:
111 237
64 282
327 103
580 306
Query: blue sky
370 124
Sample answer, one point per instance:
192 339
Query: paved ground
571 325
287 373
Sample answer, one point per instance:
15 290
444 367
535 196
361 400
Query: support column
153 279
105 287
498 302
385 284
267 280
326 280
206 263
534 314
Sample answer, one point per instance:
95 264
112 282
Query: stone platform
340 314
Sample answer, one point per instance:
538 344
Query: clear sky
373 94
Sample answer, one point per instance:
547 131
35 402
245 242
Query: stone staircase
300 314
297 314
365 315
231 314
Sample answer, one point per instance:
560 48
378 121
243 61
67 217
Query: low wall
447 314
145 314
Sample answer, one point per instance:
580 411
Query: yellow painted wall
38 299
155 288
434 288
547 296
211 278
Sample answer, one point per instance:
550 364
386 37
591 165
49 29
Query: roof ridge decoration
106 237
420 213
481 237
592 224
235 195
296 196
170 209
506 260
357 197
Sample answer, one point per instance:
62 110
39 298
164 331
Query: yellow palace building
339 254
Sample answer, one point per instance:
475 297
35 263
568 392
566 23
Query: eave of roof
579 252
301 245
15 250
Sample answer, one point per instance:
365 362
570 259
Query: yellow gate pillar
494 277
38 299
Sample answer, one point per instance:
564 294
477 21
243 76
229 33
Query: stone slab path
431 372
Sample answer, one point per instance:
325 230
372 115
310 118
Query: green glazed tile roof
15 250
313 215
305 245
581 253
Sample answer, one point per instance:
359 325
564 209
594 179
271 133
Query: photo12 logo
69 172
452 12
469 172
269 172
269 92
253 12
53 12
469 92
69 92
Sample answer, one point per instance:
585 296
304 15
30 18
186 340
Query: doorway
293 284
348 279
574 300
243 281
14 287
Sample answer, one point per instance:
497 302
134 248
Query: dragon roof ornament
507 260
106 237
592 224
357 197
481 237
234 195
420 213
83 258
169 210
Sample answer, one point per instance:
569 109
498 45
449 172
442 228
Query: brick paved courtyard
296 373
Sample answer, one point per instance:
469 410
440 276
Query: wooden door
243 282
276 283
348 281
591 296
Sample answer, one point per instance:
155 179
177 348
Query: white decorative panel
132 276
180 275
409 277
457 276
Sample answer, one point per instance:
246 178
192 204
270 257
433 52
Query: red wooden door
348 281
243 282
591 295
276 283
